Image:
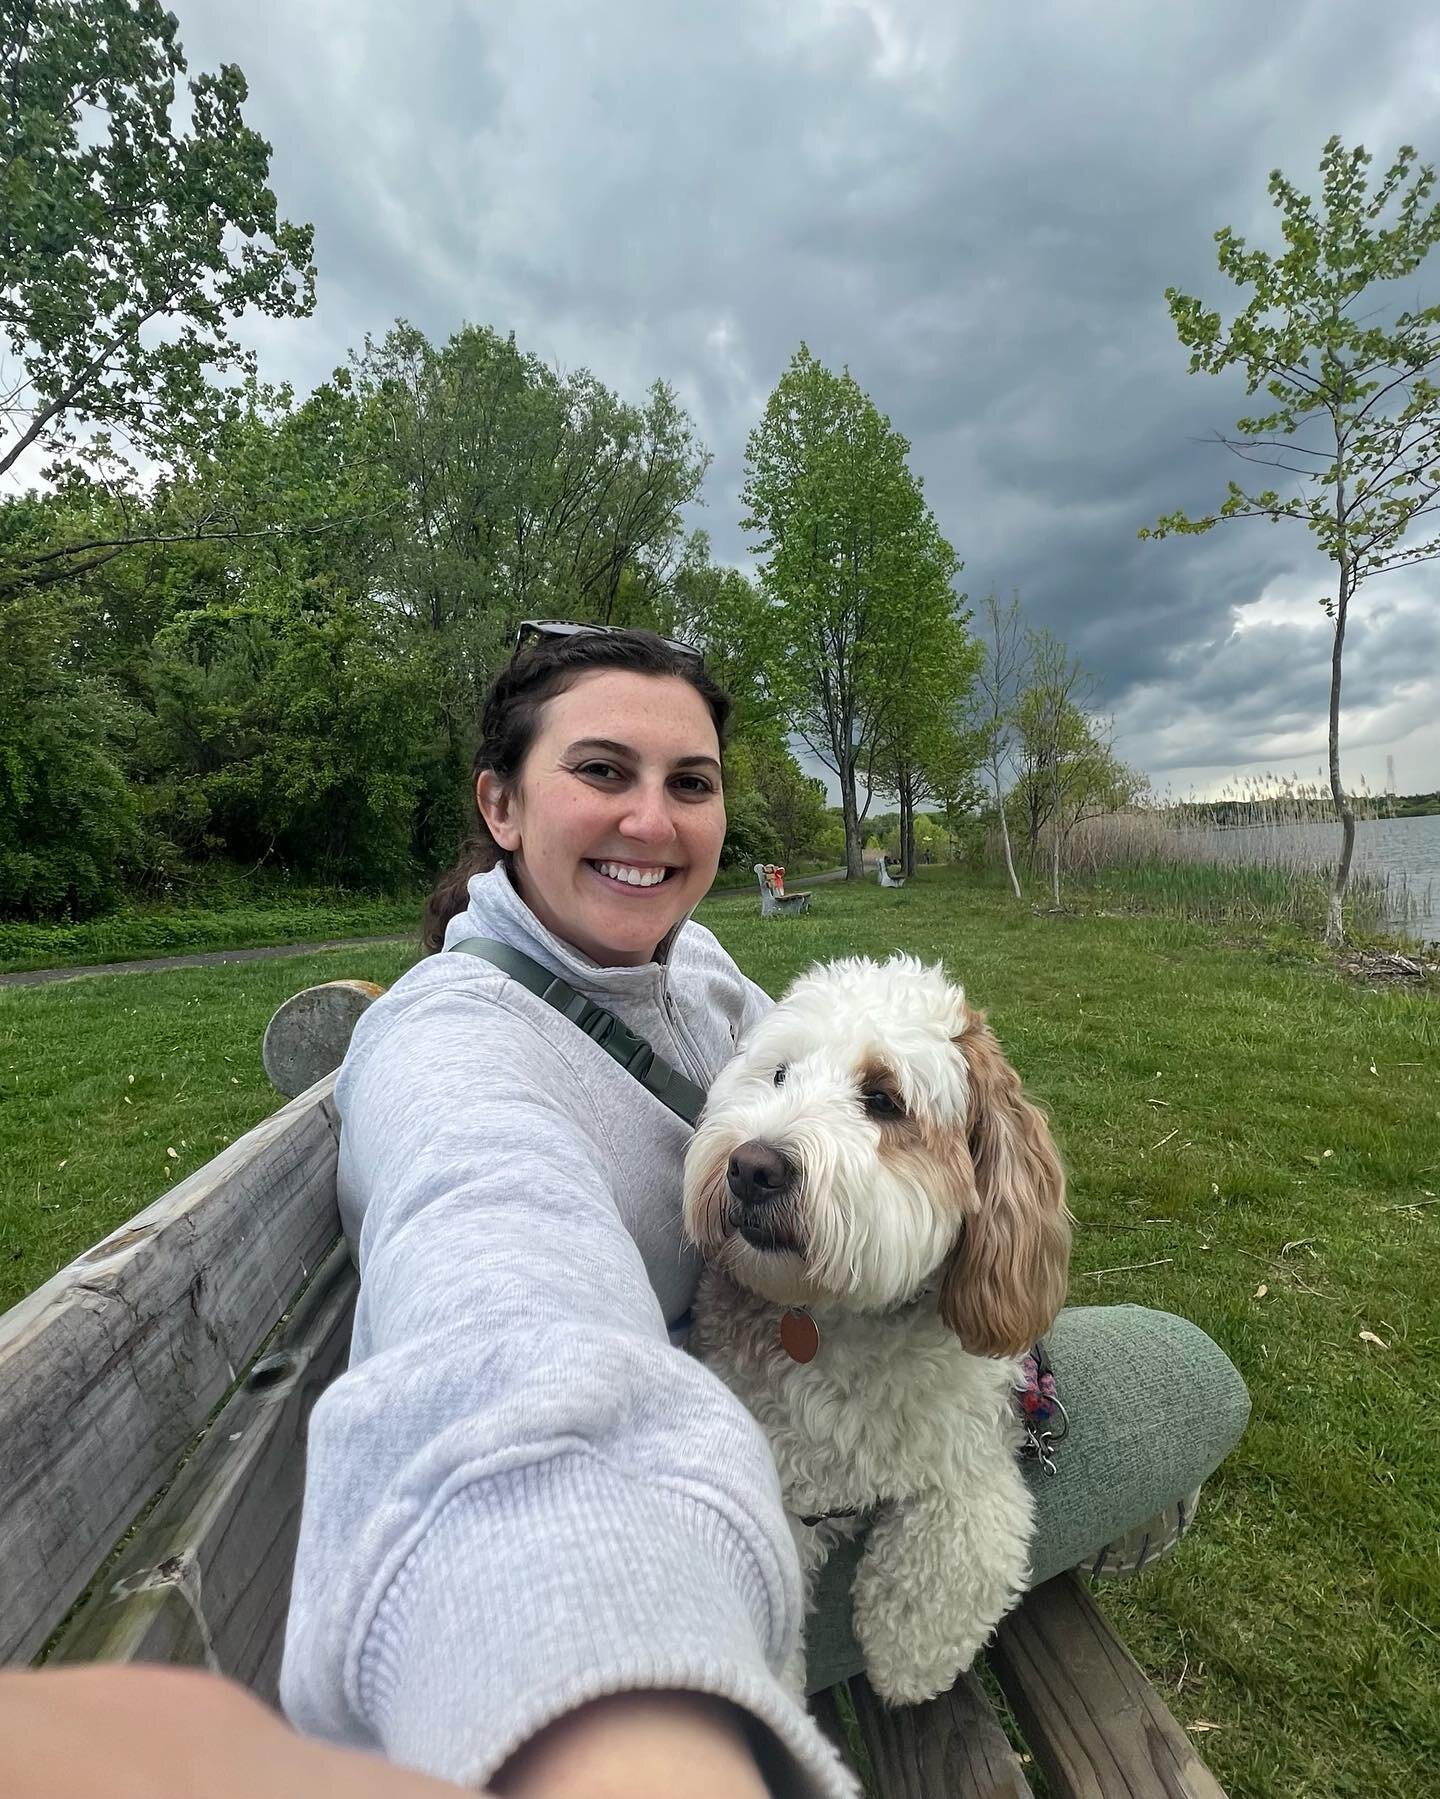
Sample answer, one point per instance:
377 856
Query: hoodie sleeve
519 1497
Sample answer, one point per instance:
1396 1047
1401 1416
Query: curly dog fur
870 1161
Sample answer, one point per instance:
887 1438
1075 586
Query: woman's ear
496 802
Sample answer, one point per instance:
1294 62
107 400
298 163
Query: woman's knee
1154 1405
1135 1366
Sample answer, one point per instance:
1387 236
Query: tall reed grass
1263 852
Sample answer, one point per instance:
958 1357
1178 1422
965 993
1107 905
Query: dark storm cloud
976 207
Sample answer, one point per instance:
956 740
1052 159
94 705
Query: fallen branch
1128 1267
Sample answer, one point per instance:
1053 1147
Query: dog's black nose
758 1173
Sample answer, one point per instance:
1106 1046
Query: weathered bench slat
206 1577
1095 1725
111 1368
952 1748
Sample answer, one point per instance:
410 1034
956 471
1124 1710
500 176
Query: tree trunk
907 829
1055 837
1335 922
854 860
1005 835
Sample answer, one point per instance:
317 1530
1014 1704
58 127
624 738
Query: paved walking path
217 958
214 958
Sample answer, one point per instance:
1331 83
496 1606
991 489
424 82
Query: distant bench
774 900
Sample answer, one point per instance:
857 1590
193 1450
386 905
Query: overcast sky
976 206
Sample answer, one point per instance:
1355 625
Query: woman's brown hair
510 720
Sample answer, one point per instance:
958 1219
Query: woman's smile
633 877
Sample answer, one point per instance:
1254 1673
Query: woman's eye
695 786
597 768
780 1075
879 1104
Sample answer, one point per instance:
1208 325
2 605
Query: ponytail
451 894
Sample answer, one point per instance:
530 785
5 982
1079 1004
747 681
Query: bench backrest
110 1375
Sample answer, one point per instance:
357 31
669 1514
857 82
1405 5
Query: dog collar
800 1335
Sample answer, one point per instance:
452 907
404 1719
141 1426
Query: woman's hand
112 1731
127 1732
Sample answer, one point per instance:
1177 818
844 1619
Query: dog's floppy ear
1006 1280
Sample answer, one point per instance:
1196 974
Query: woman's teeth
632 877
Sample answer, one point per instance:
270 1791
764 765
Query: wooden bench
884 876
153 1405
775 902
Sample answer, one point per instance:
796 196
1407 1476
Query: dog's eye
780 1075
880 1104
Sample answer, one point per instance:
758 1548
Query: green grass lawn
1234 1119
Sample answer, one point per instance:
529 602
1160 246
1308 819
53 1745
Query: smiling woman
528 1521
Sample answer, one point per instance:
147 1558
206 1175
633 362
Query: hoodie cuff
533 1591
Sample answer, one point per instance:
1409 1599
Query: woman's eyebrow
609 747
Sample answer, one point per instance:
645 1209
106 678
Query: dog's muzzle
759 1178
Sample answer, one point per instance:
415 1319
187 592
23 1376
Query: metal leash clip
1040 1440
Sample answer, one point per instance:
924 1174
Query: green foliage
1359 378
128 244
527 493
295 732
749 832
68 817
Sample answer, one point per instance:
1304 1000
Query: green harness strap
633 1053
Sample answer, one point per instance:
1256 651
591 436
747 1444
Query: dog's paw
909 1674
916 1641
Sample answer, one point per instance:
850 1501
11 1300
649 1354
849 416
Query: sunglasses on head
560 628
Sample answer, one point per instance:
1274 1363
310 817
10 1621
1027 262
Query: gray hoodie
522 1495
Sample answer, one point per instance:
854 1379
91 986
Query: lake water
1407 849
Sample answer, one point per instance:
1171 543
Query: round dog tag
799 1336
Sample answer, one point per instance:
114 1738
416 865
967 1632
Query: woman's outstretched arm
520 1499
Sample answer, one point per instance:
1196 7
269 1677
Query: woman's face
615 824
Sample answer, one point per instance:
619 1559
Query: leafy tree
723 613
795 801
520 493
1068 769
529 493
128 245
1353 418
955 786
917 742
849 551
999 681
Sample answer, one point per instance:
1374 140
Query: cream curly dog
884 1216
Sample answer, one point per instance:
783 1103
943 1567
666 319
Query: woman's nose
649 818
